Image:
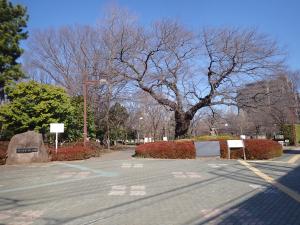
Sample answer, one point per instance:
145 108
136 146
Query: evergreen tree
13 20
33 106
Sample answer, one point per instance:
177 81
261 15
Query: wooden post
244 152
84 109
228 151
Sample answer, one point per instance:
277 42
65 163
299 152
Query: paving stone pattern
129 191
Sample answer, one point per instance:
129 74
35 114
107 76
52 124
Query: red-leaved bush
76 152
167 150
254 148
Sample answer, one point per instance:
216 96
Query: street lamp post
138 133
85 86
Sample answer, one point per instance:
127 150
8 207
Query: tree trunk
182 124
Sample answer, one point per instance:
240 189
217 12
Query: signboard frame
236 144
56 128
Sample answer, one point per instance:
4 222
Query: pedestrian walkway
117 189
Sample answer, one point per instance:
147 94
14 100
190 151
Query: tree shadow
135 204
270 206
291 152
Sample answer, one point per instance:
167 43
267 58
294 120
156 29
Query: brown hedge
167 150
75 152
254 148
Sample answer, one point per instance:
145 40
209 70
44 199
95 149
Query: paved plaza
117 189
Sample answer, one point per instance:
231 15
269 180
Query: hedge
254 148
75 152
167 150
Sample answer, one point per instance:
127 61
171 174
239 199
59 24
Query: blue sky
278 18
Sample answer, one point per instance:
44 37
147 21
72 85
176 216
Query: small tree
34 106
118 116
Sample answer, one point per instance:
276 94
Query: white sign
56 127
243 136
165 138
235 143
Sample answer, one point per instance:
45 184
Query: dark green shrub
288 133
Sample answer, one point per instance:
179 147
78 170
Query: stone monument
26 147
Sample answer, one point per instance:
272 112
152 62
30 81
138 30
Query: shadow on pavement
130 205
270 206
291 152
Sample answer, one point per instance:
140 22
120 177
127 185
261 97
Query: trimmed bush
254 148
167 150
76 152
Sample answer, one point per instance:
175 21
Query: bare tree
155 116
66 54
186 72
280 103
181 70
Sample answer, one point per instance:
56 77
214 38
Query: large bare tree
185 71
180 69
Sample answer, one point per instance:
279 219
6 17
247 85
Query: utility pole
84 109
85 87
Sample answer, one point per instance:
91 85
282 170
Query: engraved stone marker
26 148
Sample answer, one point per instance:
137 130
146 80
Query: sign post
236 144
56 128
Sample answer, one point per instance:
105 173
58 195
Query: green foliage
118 116
13 20
297 132
288 132
77 103
217 137
33 106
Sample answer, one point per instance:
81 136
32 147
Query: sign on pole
236 144
56 128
